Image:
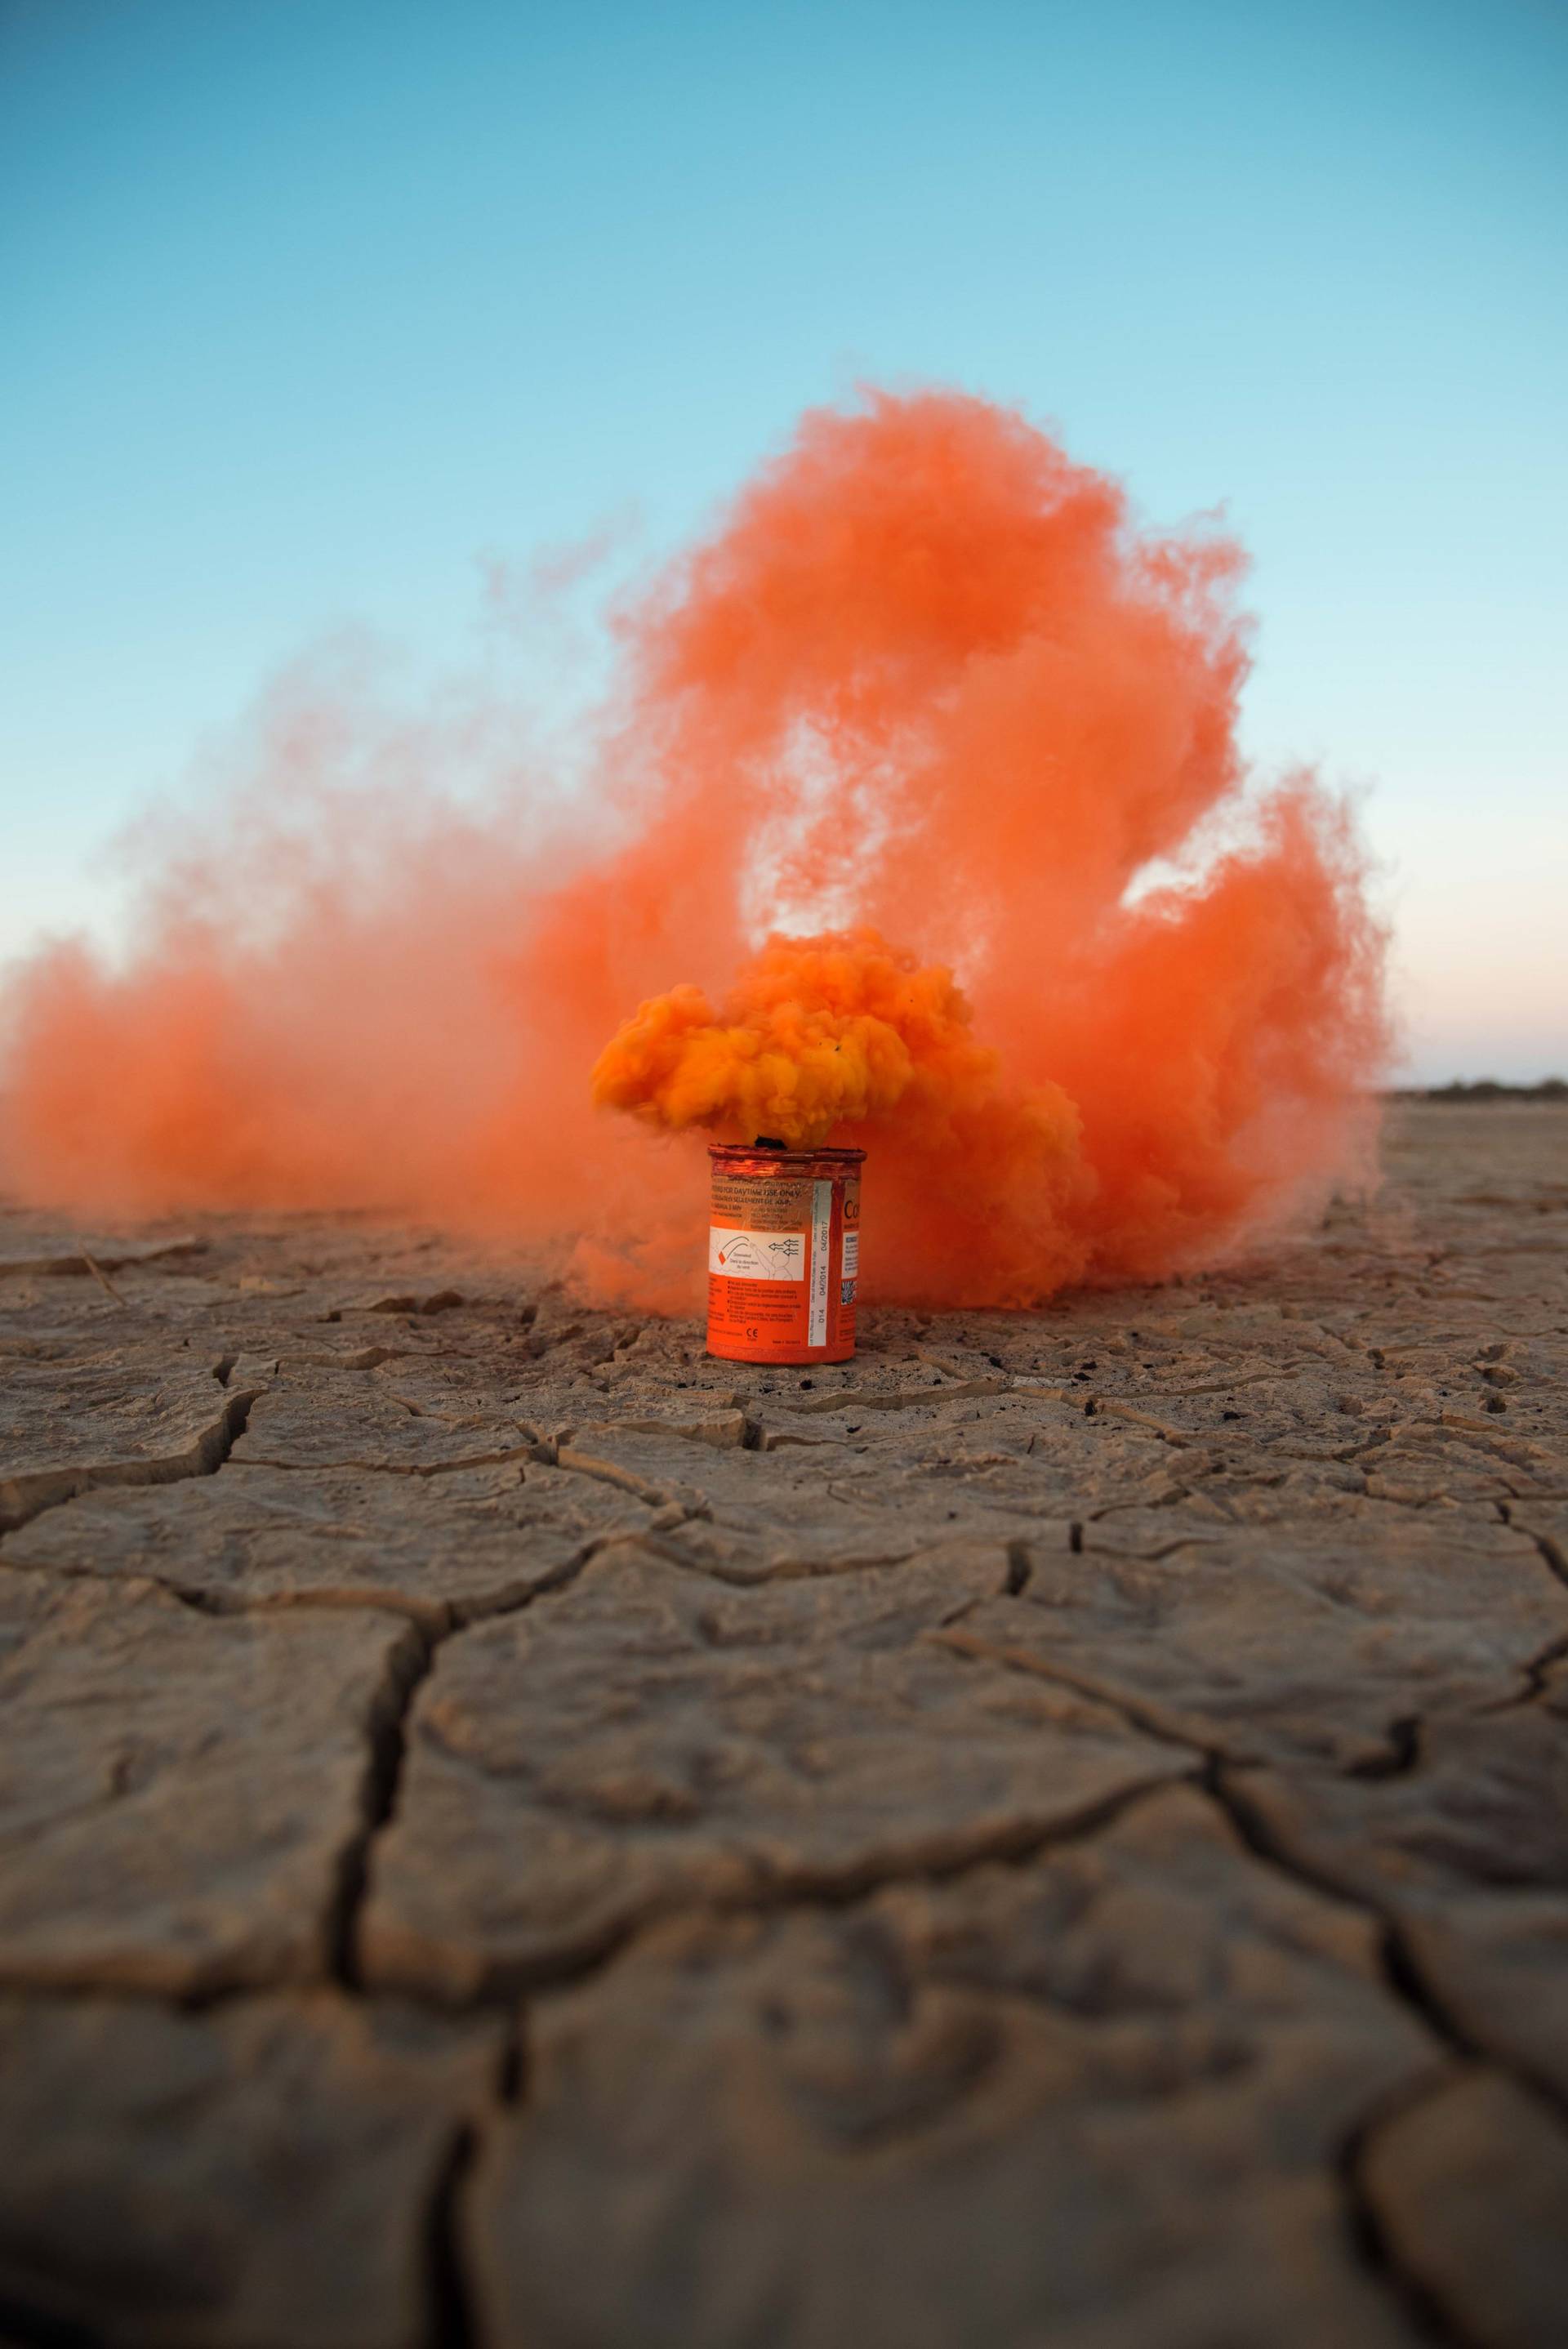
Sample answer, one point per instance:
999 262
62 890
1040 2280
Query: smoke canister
783 1253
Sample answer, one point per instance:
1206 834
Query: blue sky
308 306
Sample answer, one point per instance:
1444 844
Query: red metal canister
783 1253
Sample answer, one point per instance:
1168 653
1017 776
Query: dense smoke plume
923 769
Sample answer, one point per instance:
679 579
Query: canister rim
727 1152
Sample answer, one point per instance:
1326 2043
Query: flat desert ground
1051 1836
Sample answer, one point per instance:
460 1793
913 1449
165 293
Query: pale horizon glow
316 314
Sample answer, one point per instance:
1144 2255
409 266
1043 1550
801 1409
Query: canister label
756 1256
822 1249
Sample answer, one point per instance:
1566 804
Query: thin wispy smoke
930 704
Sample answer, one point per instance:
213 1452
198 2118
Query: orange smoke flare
928 683
815 1033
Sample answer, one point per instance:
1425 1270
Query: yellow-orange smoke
815 1033
927 684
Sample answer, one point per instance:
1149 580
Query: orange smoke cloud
815 1033
927 684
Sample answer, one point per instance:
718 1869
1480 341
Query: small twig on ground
102 1277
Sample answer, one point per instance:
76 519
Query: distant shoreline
1481 1090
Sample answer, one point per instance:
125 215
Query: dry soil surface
1052 1836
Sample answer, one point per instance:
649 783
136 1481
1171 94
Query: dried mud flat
1056 1833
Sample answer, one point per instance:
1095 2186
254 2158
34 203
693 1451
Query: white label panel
821 1234
757 1255
851 1251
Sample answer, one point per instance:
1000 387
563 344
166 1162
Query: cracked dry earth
1052 1836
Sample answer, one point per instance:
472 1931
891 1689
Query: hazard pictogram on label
756 1256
